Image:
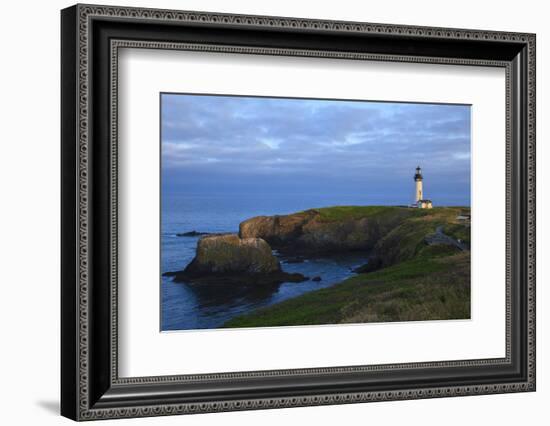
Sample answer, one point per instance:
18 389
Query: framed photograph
263 212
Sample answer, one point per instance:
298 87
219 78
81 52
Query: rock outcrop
310 233
277 230
228 259
390 234
191 234
229 253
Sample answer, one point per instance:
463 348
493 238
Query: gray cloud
290 144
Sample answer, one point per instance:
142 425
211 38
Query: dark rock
317 279
373 264
230 260
277 230
308 234
294 277
237 279
191 234
230 254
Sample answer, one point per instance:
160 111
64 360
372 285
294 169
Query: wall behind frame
30 228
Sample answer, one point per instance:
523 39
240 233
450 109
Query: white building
420 202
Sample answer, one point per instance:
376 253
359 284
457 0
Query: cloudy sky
238 145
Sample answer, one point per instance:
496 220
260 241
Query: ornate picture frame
91 37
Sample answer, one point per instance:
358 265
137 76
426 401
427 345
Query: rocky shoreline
418 266
389 234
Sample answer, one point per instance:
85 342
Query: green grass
406 240
424 288
337 213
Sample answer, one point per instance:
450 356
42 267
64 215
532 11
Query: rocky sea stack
229 259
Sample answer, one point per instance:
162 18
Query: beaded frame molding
91 38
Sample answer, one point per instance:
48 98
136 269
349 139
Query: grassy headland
408 278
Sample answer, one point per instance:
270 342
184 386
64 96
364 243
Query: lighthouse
419 200
418 184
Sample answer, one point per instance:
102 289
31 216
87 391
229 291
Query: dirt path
441 238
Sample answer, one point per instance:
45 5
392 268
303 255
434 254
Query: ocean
186 308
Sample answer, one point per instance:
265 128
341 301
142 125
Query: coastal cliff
327 230
418 264
418 268
389 234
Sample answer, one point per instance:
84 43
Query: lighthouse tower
419 200
418 184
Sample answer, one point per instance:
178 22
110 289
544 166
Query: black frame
90 386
